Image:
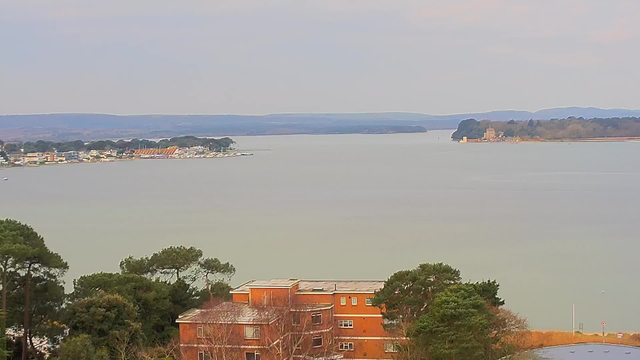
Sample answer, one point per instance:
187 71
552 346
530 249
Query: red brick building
289 319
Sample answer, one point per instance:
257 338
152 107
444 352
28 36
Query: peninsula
47 152
572 128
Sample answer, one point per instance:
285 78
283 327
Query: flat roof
229 313
274 283
589 351
327 286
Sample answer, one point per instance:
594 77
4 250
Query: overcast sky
255 57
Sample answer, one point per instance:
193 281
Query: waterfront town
14 155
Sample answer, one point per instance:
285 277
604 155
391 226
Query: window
345 324
297 341
343 301
388 321
316 341
354 301
252 332
295 319
345 346
368 301
203 355
252 356
200 331
316 319
391 347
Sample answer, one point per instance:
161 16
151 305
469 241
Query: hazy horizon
319 113
282 56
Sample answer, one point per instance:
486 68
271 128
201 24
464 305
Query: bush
78 348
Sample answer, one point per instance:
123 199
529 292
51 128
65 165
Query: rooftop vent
317 289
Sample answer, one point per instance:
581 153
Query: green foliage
24 254
183 297
569 128
445 319
141 266
470 128
488 290
35 257
176 260
3 336
10 148
158 302
213 266
182 141
12 247
106 319
218 290
45 305
114 313
457 325
77 348
408 294
152 299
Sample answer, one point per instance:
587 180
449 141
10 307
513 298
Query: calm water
555 224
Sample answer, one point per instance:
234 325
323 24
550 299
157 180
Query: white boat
5 179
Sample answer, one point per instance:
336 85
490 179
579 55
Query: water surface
554 223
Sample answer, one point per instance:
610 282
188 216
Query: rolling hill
103 126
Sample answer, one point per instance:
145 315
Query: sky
275 56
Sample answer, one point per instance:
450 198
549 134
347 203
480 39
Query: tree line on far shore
554 129
121 145
131 314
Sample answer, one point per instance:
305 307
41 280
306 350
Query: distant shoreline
227 155
597 139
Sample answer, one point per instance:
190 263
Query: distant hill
60 127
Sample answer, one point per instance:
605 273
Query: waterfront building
49 156
290 318
490 134
33 158
155 152
71 156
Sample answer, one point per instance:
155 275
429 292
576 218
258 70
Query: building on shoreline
290 318
71 156
490 134
154 152
173 152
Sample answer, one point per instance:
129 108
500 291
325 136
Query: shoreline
232 155
600 139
